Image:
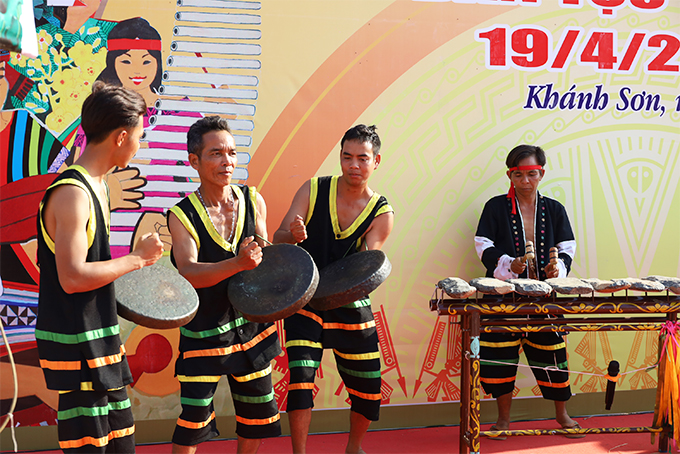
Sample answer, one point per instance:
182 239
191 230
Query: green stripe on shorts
512 361
359 373
215 331
561 366
92 412
254 399
77 338
196 402
304 363
359 303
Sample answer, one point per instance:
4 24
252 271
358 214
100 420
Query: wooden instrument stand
658 308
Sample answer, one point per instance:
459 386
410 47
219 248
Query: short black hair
108 108
524 151
202 127
363 134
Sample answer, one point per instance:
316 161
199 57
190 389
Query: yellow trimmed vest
78 334
219 340
351 325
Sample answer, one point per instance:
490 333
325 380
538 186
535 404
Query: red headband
511 192
129 44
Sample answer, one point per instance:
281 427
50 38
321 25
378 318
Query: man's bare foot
566 422
360 451
502 425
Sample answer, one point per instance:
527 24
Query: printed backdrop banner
451 85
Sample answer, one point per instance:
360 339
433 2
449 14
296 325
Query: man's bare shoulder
67 208
67 196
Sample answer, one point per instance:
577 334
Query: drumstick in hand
553 259
529 252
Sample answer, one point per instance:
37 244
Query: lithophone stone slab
492 286
569 285
607 285
643 285
456 287
531 287
671 283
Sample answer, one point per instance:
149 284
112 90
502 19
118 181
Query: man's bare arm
66 216
380 229
205 274
261 222
292 229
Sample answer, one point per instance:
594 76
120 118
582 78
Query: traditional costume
499 239
78 340
349 330
219 341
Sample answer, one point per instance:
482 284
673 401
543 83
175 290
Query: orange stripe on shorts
498 380
296 386
60 365
349 326
364 395
257 422
311 315
99 442
195 425
553 385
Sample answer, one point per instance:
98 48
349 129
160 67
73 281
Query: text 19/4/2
530 48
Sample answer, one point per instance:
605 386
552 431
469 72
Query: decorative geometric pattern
15 315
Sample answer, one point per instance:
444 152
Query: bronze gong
156 297
350 278
278 287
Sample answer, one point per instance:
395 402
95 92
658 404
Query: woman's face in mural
136 69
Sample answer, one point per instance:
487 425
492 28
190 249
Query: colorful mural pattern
292 77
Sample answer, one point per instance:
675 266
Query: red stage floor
434 440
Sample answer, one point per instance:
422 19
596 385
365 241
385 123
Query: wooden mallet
528 252
553 258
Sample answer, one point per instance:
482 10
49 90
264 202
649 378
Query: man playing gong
507 223
213 235
332 217
77 331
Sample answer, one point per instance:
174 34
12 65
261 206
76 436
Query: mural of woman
134 59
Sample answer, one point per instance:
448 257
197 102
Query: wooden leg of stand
475 382
664 438
464 446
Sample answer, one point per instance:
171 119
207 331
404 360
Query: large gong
278 287
156 297
350 278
